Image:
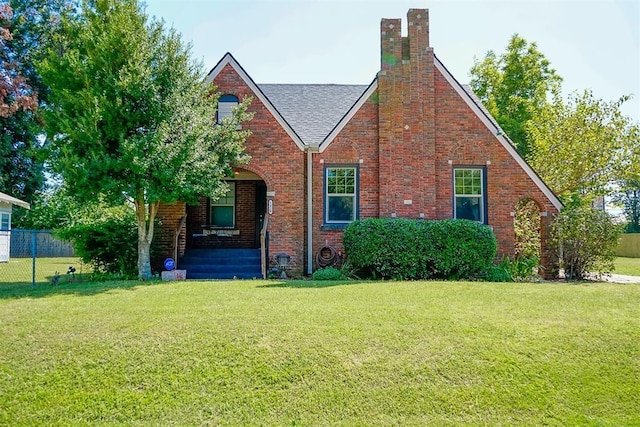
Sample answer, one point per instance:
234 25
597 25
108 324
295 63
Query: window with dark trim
340 194
469 195
226 104
223 210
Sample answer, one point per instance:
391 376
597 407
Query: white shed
6 203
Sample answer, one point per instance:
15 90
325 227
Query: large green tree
131 117
628 196
27 25
514 85
20 174
580 146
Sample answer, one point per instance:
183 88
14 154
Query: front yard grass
627 266
319 353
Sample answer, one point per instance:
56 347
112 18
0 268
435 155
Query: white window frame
5 217
328 195
226 104
481 197
225 202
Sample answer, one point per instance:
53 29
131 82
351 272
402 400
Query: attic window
226 103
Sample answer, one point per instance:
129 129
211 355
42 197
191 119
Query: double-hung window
226 104
469 200
223 210
5 221
341 194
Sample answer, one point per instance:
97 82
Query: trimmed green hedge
417 249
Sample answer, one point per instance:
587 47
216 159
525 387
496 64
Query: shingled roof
313 113
312 110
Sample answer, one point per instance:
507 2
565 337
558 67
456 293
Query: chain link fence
35 256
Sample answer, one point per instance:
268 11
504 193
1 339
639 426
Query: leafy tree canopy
26 26
15 92
628 197
580 146
514 85
131 117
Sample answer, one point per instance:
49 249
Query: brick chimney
407 119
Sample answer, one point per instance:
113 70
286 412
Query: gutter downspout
310 150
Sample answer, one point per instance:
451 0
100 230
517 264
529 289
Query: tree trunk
145 216
144 260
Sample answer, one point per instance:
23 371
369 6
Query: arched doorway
232 221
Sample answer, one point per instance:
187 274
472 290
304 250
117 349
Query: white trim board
349 115
13 201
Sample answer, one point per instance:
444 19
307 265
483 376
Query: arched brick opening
532 229
526 225
244 207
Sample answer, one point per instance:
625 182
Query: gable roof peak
308 112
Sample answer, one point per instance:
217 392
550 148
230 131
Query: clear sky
593 44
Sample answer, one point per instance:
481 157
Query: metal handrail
263 246
176 238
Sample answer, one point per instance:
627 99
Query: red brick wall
169 216
462 139
246 215
355 145
425 130
281 164
407 131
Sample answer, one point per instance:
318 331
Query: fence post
34 247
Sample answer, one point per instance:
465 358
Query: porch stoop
221 263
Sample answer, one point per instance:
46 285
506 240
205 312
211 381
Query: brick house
414 143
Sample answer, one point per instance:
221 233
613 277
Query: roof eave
13 201
228 59
349 115
499 135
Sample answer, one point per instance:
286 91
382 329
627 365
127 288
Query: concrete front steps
221 263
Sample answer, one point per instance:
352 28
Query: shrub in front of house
586 240
106 238
520 269
328 273
417 249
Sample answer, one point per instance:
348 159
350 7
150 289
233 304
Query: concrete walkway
617 278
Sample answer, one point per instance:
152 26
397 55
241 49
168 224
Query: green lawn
305 353
628 266
19 270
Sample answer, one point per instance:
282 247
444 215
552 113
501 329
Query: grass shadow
313 284
78 288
